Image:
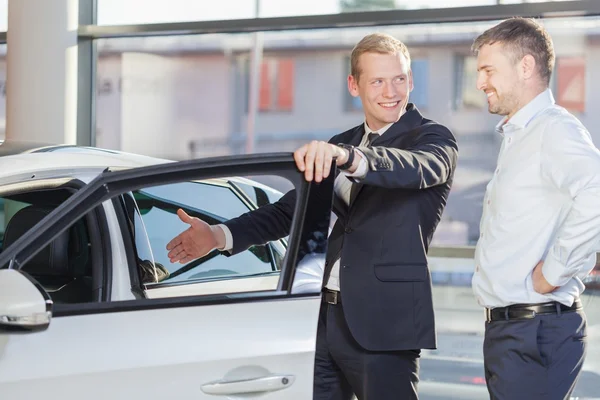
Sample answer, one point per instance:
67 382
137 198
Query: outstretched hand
195 242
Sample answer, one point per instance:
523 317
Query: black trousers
344 368
538 358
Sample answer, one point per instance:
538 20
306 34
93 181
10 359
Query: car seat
62 266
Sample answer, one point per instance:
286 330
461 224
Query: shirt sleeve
228 238
571 162
361 170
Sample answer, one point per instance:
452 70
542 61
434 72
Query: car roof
20 158
24 149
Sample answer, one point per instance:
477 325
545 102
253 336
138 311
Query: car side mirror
24 305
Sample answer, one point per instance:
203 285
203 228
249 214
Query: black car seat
62 266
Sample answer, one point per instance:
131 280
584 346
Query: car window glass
213 202
215 199
261 193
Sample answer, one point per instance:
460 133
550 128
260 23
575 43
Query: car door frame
109 184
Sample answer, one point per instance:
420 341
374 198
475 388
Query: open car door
238 344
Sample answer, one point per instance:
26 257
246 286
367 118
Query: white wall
161 103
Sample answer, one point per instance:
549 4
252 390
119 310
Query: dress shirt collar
407 119
524 116
379 132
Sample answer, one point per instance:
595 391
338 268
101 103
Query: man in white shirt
395 171
540 226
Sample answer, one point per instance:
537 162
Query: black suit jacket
384 233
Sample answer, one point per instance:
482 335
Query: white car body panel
163 353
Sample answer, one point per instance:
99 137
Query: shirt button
348 230
489 202
497 171
509 140
477 268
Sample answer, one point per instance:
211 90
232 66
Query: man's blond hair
381 43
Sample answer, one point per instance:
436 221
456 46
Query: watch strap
350 160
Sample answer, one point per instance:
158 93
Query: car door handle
269 383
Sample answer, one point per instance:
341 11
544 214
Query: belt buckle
488 314
331 297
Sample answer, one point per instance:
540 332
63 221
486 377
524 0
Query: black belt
529 311
331 296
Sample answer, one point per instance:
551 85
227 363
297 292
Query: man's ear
411 84
353 85
527 67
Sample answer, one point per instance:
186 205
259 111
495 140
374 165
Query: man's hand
314 159
540 284
196 241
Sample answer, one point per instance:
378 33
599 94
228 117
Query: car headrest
52 260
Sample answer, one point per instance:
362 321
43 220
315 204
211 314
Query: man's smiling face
383 86
498 77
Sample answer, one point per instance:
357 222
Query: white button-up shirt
342 187
542 204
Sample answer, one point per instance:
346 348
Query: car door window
213 202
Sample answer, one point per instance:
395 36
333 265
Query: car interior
67 268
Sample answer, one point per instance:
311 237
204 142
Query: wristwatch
350 160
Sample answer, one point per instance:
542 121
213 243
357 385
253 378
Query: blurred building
186 96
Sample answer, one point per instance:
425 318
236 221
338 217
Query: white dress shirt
542 204
342 187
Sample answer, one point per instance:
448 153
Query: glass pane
190 95
3 15
117 12
2 90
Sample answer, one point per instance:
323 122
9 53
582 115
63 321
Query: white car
91 307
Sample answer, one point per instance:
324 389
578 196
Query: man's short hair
522 36
381 43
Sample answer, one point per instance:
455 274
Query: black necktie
372 136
